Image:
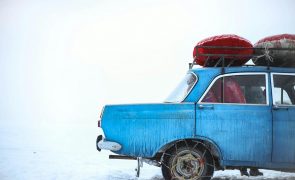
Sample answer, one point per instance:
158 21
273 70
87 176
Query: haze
61 61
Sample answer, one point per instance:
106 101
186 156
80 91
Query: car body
241 116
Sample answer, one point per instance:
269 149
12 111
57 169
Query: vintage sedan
217 118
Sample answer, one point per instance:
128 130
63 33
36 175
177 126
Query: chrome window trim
233 74
272 87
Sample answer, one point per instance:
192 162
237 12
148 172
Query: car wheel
187 162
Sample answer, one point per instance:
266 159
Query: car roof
238 69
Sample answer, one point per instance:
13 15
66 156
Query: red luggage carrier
217 54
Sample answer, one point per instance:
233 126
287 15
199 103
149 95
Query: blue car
217 118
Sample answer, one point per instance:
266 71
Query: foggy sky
61 61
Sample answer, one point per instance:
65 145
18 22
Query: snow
67 151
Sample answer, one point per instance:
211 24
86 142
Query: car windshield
183 89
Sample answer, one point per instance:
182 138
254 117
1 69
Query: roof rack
227 60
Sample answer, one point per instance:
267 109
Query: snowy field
62 152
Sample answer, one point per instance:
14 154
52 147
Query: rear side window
283 89
183 89
238 89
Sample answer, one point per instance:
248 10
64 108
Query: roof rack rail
227 60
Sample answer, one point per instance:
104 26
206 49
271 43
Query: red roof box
227 46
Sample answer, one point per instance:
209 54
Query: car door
234 112
283 117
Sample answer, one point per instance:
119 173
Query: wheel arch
205 142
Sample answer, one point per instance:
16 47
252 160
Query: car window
183 88
283 89
238 89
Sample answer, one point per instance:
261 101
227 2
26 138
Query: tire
187 162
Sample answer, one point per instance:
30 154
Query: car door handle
276 107
205 106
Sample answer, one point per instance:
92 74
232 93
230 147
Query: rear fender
205 142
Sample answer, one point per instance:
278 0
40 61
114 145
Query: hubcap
187 165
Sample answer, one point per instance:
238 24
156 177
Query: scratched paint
144 128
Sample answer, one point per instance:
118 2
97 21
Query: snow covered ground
62 152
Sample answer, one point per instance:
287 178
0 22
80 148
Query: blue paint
244 135
242 132
284 135
143 129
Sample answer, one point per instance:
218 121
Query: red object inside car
232 92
